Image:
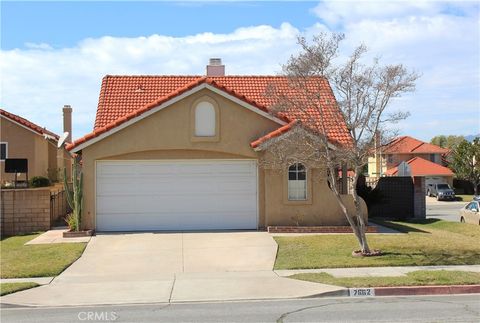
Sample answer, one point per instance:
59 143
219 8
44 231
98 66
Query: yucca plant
75 196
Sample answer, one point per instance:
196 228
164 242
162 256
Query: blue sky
63 24
55 53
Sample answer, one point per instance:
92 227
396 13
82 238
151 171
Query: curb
427 290
400 291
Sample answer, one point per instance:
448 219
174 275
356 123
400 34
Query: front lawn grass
8 288
422 243
464 198
44 260
415 278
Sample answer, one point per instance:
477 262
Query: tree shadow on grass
404 226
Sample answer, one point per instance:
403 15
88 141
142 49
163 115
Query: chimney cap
215 61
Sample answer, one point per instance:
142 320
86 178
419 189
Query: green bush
71 221
39 181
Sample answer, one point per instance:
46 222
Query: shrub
39 181
71 221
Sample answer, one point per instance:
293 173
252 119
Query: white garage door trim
185 162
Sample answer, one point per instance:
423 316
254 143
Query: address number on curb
362 292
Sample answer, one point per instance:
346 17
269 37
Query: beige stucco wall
167 134
321 207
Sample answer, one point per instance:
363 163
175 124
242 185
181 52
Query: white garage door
176 195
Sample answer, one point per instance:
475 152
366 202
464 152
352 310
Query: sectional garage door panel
176 195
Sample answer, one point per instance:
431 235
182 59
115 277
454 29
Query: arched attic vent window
205 120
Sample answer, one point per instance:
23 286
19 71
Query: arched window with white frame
205 120
297 182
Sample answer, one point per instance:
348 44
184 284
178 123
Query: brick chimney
67 121
215 67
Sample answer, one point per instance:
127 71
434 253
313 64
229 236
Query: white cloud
337 13
440 40
39 80
42 46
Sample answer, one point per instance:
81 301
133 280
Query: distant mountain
471 137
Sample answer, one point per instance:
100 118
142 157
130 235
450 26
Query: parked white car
470 213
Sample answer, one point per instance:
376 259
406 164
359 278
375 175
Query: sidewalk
375 271
336 272
173 288
224 286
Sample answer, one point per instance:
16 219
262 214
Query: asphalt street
452 308
444 210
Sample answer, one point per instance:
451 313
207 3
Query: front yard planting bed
415 278
42 260
8 288
428 242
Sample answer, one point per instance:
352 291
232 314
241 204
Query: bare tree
363 93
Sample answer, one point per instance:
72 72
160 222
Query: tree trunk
356 222
358 213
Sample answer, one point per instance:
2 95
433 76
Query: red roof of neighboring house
30 125
422 167
410 145
124 97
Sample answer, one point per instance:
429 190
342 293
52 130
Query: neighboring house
423 158
182 152
20 138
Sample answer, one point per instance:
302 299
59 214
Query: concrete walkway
56 236
38 280
375 271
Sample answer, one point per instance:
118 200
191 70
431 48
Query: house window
3 151
390 159
205 120
297 182
432 158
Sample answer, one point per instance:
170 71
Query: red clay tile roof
124 97
28 124
423 167
410 145
273 134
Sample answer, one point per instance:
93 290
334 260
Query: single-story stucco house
181 153
20 138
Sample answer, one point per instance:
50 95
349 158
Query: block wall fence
25 210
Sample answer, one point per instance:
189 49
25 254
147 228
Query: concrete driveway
169 267
115 256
